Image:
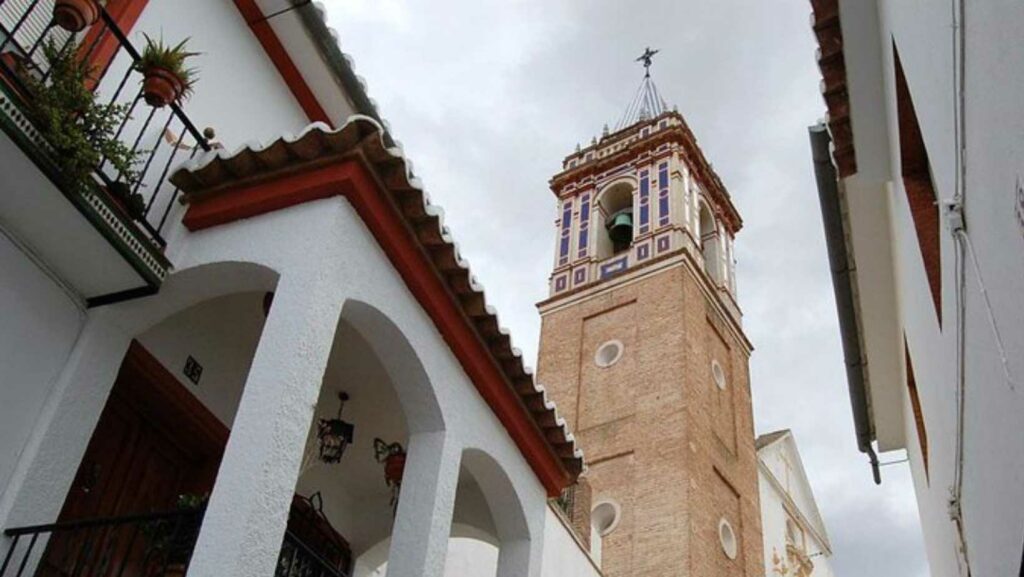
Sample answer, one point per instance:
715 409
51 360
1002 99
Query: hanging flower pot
392 455
394 467
161 87
165 77
75 15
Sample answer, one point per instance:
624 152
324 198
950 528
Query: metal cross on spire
647 58
647 103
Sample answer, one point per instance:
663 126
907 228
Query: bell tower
643 349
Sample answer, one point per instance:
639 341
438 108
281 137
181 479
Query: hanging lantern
334 435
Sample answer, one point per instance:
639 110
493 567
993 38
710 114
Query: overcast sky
488 96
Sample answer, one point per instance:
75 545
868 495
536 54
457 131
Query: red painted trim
125 13
272 46
247 201
353 180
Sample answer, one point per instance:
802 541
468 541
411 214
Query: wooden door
154 441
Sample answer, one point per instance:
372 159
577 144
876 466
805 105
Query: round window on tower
604 517
608 354
718 374
728 538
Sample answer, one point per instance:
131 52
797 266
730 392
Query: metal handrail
23 33
324 567
101 544
150 543
89 523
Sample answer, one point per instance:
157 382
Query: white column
419 540
519 558
248 510
47 466
723 258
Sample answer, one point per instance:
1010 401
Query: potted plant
165 77
75 15
170 541
133 203
80 130
392 455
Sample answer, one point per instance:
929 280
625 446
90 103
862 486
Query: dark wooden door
154 442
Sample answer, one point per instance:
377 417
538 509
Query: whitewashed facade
282 305
796 543
927 236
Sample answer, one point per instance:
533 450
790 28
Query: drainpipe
842 284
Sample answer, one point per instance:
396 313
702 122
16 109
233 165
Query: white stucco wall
221 335
325 241
39 328
563 557
995 152
239 92
926 38
328 237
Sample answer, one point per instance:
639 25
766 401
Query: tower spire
647 103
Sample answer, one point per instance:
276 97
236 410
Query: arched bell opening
615 219
709 244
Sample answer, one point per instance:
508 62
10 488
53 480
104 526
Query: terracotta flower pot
75 15
394 467
161 87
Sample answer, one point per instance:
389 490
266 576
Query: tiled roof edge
254 161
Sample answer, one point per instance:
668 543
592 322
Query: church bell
620 229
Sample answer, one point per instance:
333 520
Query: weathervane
647 57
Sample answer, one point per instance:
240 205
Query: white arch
186 288
510 523
404 367
47 467
710 241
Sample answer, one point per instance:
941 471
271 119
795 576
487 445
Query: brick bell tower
643 350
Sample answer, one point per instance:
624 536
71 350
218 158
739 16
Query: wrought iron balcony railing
133 546
158 138
153 545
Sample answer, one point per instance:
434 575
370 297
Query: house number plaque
193 370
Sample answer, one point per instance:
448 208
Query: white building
923 202
190 347
795 541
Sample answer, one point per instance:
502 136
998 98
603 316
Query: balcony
102 235
160 545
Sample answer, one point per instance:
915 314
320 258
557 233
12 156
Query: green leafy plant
173 539
81 130
157 55
187 501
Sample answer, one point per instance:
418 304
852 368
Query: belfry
643 350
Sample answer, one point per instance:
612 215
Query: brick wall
662 440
